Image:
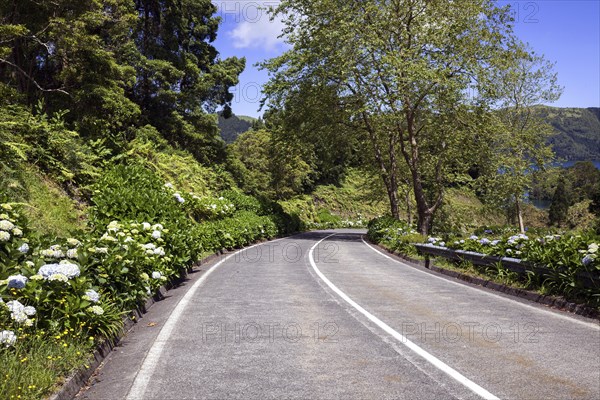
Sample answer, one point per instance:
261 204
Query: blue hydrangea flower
17 281
587 260
484 241
67 269
92 295
24 248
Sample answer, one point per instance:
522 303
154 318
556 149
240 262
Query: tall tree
561 201
70 55
520 141
180 78
401 70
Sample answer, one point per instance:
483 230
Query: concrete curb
550 301
79 378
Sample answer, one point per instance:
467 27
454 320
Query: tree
584 178
181 80
401 71
561 201
265 165
72 55
520 146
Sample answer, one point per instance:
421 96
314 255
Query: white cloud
256 30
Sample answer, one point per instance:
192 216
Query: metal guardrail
521 267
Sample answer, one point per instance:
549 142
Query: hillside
234 126
577 132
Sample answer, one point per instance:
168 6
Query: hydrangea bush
565 256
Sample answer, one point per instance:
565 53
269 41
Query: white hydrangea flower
17 232
156 234
146 226
179 198
157 227
17 311
113 225
156 275
159 251
108 238
29 310
4 236
149 246
96 310
53 252
6 225
58 277
72 253
73 242
8 338
101 250
70 270
169 185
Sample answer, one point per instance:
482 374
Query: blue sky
565 31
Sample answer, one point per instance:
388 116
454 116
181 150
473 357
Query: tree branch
33 80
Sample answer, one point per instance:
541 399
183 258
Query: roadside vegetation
114 177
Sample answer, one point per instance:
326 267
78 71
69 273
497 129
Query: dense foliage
110 66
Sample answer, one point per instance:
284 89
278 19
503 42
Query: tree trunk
394 208
424 223
423 212
408 207
519 214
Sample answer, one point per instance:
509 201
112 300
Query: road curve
324 315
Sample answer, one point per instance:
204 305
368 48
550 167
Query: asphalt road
317 316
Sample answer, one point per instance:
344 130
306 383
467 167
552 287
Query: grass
35 366
51 211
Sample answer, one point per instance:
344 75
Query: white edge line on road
457 376
138 388
447 279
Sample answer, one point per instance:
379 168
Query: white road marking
138 388
541 310
475 388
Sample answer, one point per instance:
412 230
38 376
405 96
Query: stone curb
550 301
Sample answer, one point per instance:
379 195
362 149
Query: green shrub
243 202
134 193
